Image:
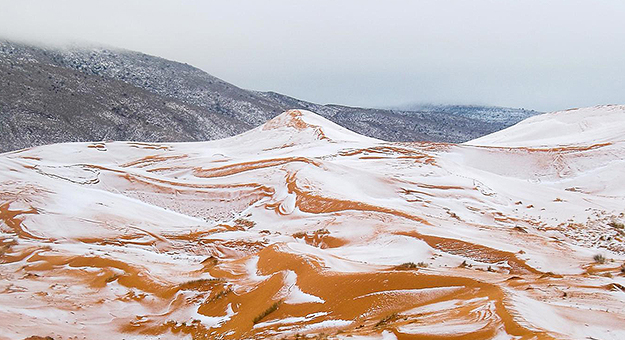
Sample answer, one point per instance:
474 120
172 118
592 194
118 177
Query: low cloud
543 55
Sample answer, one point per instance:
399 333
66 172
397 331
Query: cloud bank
543 55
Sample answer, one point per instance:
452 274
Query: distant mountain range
52 95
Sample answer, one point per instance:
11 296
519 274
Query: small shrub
464 264
386 320
199 283
322 231
411 265
616 225
267 311
219 295
407 265
520 229
245 223
599 258
111 278
551 274
210 261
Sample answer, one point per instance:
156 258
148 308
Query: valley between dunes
301 228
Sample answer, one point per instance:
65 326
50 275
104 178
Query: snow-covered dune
303 227
586 126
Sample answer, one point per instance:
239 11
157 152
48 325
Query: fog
543 55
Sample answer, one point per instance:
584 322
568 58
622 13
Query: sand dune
301 228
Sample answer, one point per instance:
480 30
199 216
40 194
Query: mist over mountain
487 114
53 95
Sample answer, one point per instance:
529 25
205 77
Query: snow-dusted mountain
51 95
301 227
503 115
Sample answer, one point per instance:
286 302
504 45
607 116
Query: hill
300 227
52 95
599 124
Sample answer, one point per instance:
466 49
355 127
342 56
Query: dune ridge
303 228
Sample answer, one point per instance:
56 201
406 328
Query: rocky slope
301 227
53 95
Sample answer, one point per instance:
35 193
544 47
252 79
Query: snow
294 294
385 335
443 329
251 267
290 320
422 291
518 202
386 250
586 126
326 324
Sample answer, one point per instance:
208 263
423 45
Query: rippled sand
300 228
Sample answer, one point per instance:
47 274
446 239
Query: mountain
52 95
302 228
487 114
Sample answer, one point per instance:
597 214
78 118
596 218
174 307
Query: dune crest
303 228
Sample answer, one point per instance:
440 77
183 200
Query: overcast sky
537 54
